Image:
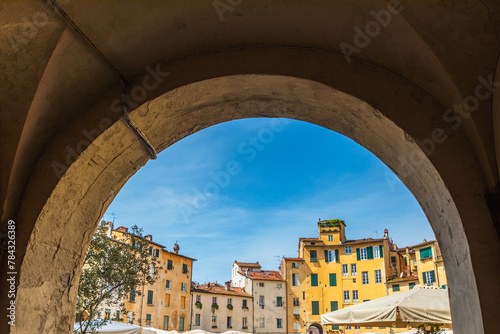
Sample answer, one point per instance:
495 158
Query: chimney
425 240
208 285
386 234
228 285
148 237
176 247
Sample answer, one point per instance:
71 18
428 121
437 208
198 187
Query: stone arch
68 218
315 328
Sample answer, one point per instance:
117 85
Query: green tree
111 269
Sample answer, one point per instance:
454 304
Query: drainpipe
191 310
142 302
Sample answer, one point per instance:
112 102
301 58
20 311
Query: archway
51 266
315 329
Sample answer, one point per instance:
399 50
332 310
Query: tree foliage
111 268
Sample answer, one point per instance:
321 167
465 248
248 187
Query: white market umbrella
420 305
114 327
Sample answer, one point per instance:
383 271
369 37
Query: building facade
332 272
217 308
166 304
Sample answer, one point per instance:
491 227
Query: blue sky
246 190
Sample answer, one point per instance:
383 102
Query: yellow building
167 303
332 272
422 264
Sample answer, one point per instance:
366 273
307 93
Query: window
214 300
378 276
363 254
333 279
315 307
303 295
181 323
184 268
152 271
107 314
198 298
261 300
132 295
295 265
355 297
229 322
354 280
261 322
414 262
347 300
148 320
429 277
334 306
411 285
313 255
425 253
150 297
296 326
170 265
345 270
279 301
331 256
296 302
261 284
348 327
214 321
157 252
245 303
244 323
443 286
295 279
279 323
183 286
131 317
330 237
196 320
118 316
395 288
165 322
296 310
353 269
357 327
183 302
279 285
348 250
229 301
167 284
376 252
365 277
335 327
167 300
314 279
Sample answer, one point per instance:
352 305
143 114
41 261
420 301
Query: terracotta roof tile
268 275
248 264
361 241
216 288
402 279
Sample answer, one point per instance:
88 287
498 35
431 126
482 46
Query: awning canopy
419 305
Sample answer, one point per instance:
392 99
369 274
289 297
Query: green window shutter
369 252
150 250
395 287
333 279
335 327
314 279
337 258
315 307
358 256
150 297
425 278
148 317
326 255
334 306
381 250
132 295
433 276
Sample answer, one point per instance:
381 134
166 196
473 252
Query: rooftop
216 288
402 279
248 264
268 275
361 241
